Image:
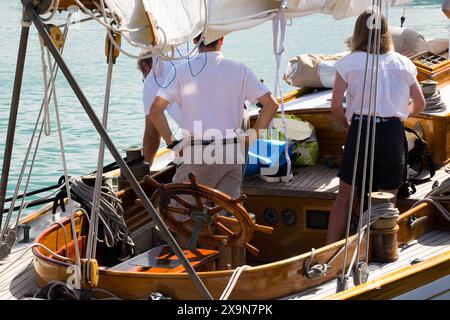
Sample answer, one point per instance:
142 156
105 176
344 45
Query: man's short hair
203 45
142 54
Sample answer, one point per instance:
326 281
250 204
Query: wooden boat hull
268 281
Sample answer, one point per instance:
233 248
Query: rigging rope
67 188
382 210
125 32
233 281
376 46
44 106
93 227
46 86
356 157
403 17
279 25
373 95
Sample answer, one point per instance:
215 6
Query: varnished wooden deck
429 245
323 183
17 274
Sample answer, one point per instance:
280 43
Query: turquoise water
84 55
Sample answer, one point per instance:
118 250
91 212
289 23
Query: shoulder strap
413 132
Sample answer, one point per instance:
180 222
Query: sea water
84 54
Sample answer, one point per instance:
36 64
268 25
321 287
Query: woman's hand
337 108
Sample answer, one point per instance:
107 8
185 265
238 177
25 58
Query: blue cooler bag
266 154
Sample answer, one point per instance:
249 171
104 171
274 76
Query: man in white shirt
152 83
211 91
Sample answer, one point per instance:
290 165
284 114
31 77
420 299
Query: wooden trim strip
401 281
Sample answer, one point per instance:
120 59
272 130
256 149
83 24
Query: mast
26 23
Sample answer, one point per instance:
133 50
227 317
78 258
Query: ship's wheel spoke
214 210
186 221
178 210
183 202
208 228
199 202
227 221
224 229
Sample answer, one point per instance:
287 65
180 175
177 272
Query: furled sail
170 23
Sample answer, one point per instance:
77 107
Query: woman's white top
396 75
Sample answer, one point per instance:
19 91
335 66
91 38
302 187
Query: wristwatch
173 144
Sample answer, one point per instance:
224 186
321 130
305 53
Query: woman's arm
337 107
418 104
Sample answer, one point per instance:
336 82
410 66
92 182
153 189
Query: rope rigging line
279 25
125 32
67 188
356 157
46 86
371 122
377 50
403 17
381 210
233 281
93 227
53 8
376 46
44 106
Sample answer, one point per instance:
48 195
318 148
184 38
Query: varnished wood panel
436 131
290 240
64 4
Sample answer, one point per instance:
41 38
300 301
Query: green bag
306 152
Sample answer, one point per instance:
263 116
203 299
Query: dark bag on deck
415 160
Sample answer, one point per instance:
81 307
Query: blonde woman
397 83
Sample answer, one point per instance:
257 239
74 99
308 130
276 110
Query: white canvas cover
179 21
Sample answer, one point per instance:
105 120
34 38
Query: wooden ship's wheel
199 214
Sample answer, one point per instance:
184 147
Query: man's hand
246 138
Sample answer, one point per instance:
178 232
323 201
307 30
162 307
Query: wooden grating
17 277
430 61
323 183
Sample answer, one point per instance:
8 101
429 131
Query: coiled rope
110 212
433 98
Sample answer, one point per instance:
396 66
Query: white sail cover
179 21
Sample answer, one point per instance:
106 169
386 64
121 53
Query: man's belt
194 142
